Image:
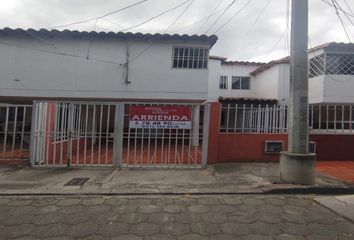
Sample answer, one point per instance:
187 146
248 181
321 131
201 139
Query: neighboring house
331 78
103 66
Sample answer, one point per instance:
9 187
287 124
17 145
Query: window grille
316 66
190 57
223 82
241 83
340 64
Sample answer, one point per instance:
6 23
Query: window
189 57
340 64
223 82
331 63
241 83
316 66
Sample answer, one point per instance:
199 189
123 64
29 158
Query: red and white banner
165 117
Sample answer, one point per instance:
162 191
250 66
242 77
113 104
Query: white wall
338 89
213 83
266 83
31 73
239 71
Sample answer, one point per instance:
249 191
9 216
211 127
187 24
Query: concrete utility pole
298 165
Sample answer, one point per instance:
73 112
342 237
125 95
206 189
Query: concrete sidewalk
221 178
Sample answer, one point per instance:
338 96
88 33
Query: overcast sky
248 36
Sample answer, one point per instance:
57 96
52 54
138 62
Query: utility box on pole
297 165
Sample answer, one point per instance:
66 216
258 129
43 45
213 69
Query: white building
331 78
103 66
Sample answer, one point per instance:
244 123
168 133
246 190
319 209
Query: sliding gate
119 134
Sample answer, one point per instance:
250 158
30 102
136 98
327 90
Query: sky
249 30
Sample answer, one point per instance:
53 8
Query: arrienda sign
163 117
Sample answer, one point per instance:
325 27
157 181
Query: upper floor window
241 83
331 63
190 57
223 82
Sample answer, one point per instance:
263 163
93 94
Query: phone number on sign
160 124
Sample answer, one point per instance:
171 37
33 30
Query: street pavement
165 217
219 178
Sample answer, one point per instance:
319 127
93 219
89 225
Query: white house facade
89 65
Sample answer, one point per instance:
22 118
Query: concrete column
297 165
195 126
118 135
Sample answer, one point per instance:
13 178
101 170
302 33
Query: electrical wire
258 17
209 16
198 21
230 19
341 21
99 17
59 53
330 4
166 30
346 15
222 14
275 45
158 15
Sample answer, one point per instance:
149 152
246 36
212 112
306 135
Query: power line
158 15
258 17
211 14
341 21
346 15
169 27
230 19
275 45
222 14
99 17
59 53
330 4
198 21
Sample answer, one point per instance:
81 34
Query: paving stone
205 229
113 229
175 229
52 230
231 200
214 217
144 229
186 201
160 218
235 228
160 237
293 228
188 217
253 201
82 230
132 218
208 201
116 201
191 237
93 201
223 237
16 231
264 228
127 237
198 208
149 209
68 202
256 237
174 208
289 237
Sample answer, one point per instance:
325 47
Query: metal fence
100 134
249 118
15 127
